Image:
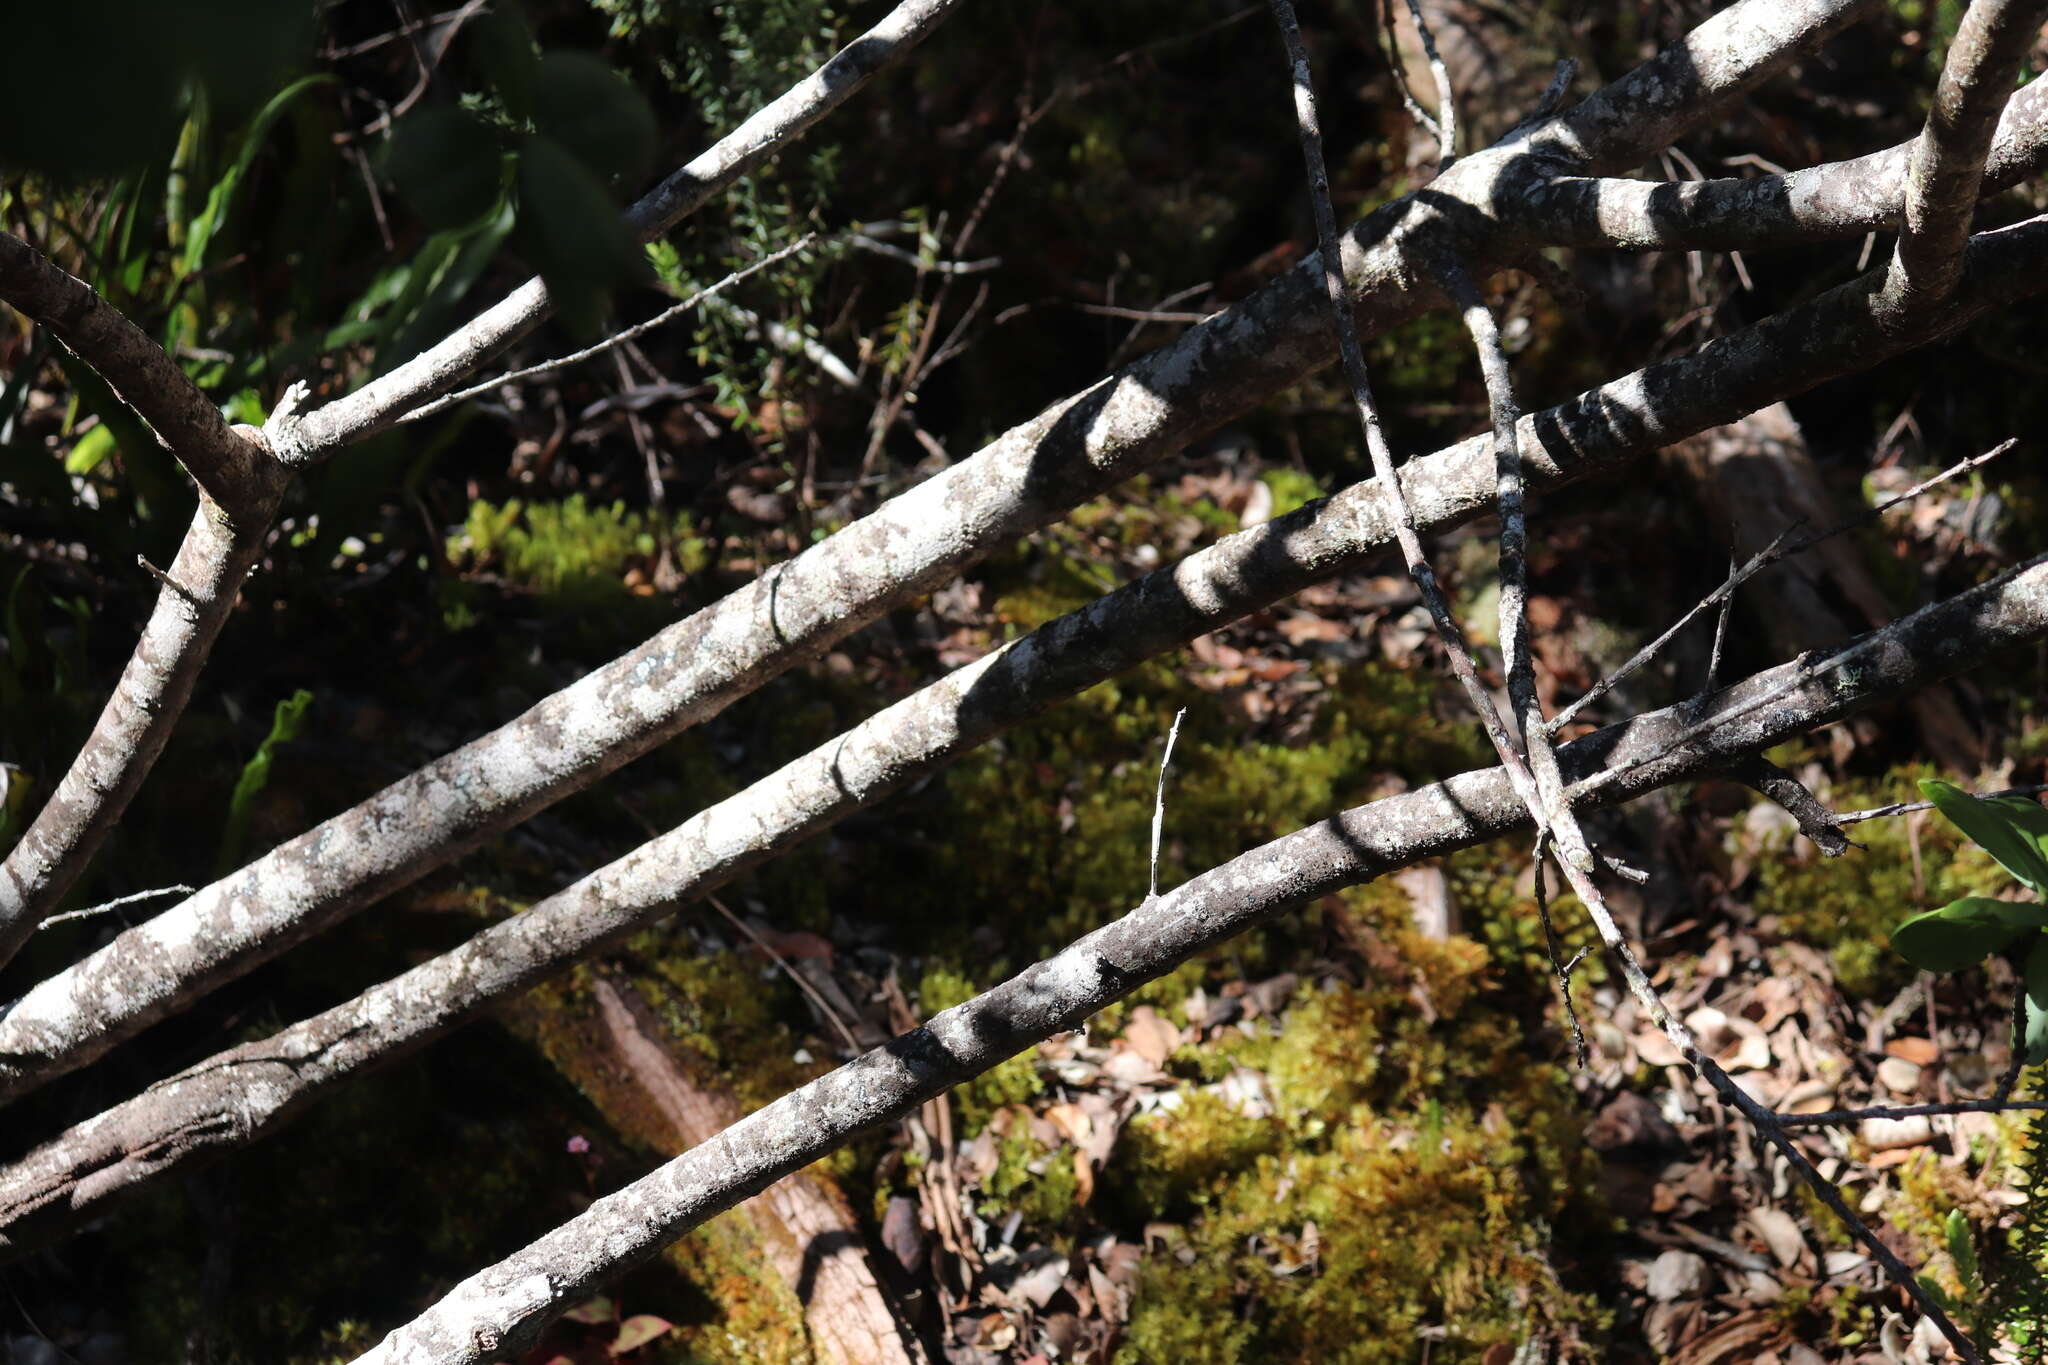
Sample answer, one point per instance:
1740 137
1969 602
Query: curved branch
240 485
227 466
191 607
1942 181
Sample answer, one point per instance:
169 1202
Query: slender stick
384 400
633 333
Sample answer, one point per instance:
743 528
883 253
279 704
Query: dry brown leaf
1919 1051
1304 628
1780 1233
1151 1035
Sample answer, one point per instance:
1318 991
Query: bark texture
499 1309
1835 201
251 1090
136 722
1024 480
803 1222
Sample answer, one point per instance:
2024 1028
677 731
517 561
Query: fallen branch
1076 449
498 1310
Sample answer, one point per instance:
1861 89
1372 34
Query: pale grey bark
1024 480
191 607
439 368
240 485
232 469
1835 201
249 1091
1948 159
498 1311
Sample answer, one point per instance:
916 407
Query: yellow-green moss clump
568 549
1405 1181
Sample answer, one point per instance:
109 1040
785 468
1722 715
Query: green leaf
570 231
638 1330
285 724
502 45
89 450
1962 1248
2029 821
200 232
1942 1298
448 165
1996 826
2037 1002
591 110
1965 932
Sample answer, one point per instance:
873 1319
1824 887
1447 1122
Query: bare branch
1726 55
240 484
1835 201
620 338
912 739
192 605
570 740
1815 820
382 401
1444 128
1073 451
1948 160
233 470
498 1310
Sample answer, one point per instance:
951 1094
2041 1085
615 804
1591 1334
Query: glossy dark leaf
1995 826
447 165
591 110
1965 932
2037 1002
571 232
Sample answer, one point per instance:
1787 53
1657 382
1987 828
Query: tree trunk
653 1094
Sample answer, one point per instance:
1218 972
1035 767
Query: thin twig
1835 1117
1721 623
1908 807
637 330
1446 107
1800 677
1399 68
816 997
116 903
1778 549
1554 947
1159 802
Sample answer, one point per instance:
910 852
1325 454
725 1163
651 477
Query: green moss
1291 488
1848 905
1403 1180
1031 1179
1013 1081
1057 816
569 549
